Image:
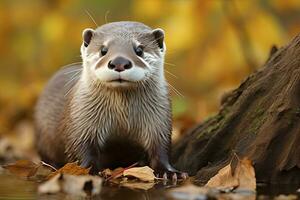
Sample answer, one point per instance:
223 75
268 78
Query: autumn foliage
211 46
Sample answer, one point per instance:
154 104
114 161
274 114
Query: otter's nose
119 64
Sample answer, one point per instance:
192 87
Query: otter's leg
90 158
159 161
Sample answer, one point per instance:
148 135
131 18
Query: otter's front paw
172 174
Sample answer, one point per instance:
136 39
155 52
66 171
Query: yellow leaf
142 173
72 169
23 168
242 177
224 179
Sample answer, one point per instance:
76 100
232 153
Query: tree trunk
259 120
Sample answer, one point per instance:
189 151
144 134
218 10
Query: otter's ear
87 35
159 35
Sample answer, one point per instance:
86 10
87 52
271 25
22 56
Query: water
12 187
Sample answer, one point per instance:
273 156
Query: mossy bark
259 120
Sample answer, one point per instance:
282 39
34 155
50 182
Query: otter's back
49 113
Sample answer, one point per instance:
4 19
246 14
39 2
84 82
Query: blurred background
212 45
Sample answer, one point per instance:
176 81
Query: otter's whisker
70 81
73 77
75 70
68 92
176 91
74 63
168 72
150 43
106 15
171 64
171 73
87 12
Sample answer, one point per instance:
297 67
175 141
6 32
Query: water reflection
12 187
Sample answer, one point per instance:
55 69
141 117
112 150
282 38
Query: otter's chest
131 119
137 117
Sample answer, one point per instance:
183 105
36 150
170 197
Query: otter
112 110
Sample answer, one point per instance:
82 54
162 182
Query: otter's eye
103 50
139 51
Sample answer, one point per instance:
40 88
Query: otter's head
123 54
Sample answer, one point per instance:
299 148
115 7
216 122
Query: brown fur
78 118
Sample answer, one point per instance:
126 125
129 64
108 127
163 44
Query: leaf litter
142 173
233 179
71 169
240 178
28 169
74 179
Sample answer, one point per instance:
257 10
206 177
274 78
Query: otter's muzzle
119 64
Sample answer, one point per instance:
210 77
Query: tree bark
259 120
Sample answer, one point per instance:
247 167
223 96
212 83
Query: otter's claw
174 176
174 179
165 176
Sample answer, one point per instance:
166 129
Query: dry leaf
82 185
106 173
23 168
247 180
142 173
29 169
242 178
224 179
42 172
119 177
72 169
116 173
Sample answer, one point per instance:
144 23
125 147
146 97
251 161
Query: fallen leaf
242 178
72 169
42 172
116 173
29 169
247 180
23 168
106 173
142 173
224 179
82 185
